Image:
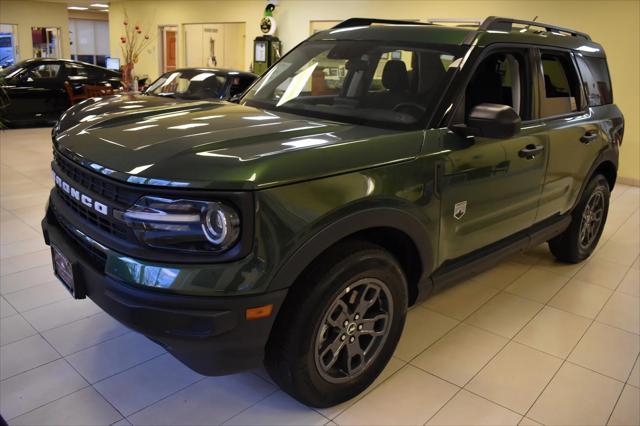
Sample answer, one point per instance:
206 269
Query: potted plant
132 44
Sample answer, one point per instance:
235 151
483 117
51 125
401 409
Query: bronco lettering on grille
79 196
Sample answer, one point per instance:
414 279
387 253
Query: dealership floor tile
530 341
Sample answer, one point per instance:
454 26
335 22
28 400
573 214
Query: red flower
137 27
146 37
139 32
126 23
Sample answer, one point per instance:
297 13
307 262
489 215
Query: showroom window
89 40
561 93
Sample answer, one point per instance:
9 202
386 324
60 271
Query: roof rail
363 22
506 24
462 21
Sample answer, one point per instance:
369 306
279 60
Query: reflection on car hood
223 145
93 108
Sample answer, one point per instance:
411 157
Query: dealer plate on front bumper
66 272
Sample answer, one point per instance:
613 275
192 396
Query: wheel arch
605 163
608 170
396 230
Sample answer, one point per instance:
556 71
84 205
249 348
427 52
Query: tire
574 246
351 275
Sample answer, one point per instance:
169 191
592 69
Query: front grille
105 223
97 257
92 182
99 187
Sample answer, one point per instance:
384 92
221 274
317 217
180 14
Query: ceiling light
99 5
77 8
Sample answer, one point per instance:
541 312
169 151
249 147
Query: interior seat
395 80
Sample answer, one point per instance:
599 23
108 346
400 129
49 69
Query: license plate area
67 272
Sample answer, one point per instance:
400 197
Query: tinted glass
561 85
239 85
44 71
595 79
188 84
501 78
383 84
76 71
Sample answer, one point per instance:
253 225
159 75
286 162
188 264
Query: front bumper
209 334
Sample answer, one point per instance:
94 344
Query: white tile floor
530 341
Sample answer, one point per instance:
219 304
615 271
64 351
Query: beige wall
26 14
149 15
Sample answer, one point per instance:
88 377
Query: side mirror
491 121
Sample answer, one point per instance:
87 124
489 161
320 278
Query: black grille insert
97 257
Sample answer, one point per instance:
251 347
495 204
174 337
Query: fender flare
333 232
607 155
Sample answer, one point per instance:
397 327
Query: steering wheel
410 105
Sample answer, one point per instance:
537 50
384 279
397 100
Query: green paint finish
307 173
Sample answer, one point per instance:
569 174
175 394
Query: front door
37 93
490 188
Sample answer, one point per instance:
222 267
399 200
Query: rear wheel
580 239
339 326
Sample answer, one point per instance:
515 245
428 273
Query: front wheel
339 326
580 239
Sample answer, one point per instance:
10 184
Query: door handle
588 137
529 152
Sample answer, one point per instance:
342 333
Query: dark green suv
374 164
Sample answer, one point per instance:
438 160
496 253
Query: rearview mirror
491 121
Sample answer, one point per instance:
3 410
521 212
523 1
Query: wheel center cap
351 328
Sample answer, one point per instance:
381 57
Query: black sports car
35 88
201 83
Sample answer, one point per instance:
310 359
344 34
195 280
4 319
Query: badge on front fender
459 209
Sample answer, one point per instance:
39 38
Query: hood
93 108
221 145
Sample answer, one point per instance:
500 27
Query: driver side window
41 72
501 78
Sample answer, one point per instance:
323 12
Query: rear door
574 134
489 189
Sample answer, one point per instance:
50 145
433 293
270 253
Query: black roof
492 30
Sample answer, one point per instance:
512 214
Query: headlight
186 225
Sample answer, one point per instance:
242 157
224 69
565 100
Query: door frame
460 86
183 55
58 41
162 49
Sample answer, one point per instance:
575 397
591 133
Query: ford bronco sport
374 164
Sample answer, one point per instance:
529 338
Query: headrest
394 75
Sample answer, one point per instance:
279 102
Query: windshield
189 84
11 70
383 84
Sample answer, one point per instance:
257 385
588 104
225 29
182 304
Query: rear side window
561 85
595 79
